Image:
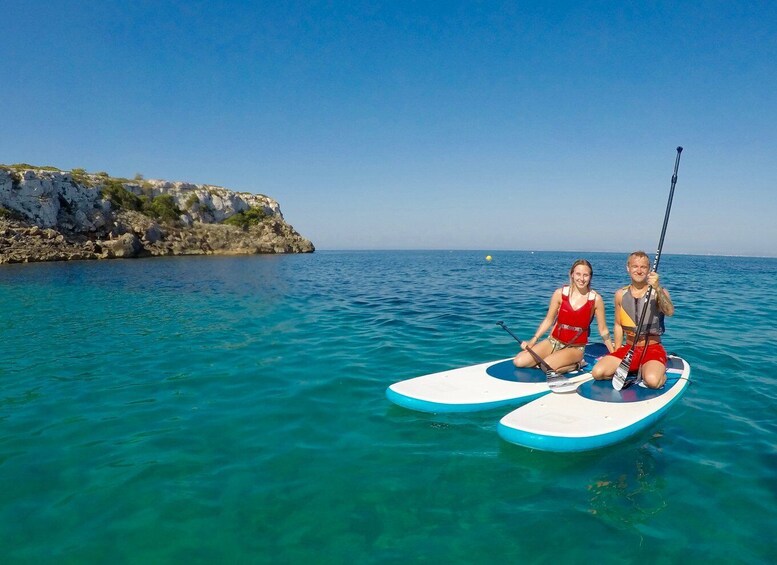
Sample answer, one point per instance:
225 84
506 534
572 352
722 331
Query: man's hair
638 254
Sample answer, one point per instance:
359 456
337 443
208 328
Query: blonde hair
577 263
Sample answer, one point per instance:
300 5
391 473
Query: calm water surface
232 410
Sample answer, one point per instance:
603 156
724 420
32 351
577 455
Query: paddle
621 379
556 381
550 372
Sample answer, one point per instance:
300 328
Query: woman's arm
617 328
550 318
601 321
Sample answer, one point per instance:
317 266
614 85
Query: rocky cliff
52 215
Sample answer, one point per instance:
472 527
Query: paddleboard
595 416
480 387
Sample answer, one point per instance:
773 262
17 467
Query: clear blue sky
433 125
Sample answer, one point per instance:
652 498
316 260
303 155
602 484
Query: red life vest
573 326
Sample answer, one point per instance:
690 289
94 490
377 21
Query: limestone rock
50 215
126 245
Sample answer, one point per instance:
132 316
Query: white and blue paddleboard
480 387
595 415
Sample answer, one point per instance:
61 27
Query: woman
570 312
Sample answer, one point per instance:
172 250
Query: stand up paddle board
595 416
481 387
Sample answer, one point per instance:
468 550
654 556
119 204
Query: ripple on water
222 408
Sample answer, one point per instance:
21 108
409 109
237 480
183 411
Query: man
649 355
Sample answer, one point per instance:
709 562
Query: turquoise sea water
206 410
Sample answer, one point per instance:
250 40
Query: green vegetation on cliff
161 207
80 176
10 214
25 166
120 197
251 217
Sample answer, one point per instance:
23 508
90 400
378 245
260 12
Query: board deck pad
602 391
505 370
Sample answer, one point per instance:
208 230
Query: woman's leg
525 359
565 360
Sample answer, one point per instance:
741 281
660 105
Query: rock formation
52 215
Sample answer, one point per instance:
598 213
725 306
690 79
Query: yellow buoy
488 257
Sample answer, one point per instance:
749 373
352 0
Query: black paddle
621 379
550 372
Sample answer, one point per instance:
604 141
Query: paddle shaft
627 359
540 361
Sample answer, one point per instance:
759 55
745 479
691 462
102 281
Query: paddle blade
555 378
623 384
570 384
620 379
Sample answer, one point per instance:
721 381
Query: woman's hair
581 262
